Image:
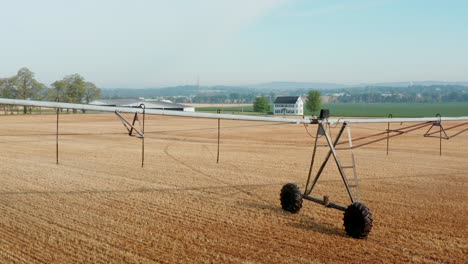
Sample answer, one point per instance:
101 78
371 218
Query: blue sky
151 43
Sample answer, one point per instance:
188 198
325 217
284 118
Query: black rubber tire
291 198
357 220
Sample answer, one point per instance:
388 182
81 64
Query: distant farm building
288 105
149 104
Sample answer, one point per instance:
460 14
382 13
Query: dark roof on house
286 99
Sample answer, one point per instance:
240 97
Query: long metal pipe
152 111
222 116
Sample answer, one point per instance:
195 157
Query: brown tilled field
99 205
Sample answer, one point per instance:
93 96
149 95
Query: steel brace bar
332 152
323 202
446 129
131 127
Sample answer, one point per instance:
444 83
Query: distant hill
193 90
277 88
183 90
298 85
421 83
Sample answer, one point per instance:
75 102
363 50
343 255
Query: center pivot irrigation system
357 217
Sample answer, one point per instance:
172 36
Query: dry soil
98 204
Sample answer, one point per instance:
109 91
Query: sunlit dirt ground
99 205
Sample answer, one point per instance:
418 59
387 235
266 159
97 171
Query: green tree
91 92
261 104
75 87
314 102
57 91
7 88
71 89
26 86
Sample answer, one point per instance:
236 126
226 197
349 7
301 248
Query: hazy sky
148 43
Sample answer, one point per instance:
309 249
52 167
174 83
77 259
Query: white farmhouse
288 105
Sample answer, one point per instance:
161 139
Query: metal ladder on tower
350 166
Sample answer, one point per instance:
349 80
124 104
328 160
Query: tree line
71 89
410 94
236 98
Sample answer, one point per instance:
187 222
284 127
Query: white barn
288 105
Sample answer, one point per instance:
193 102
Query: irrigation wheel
291 198
357 220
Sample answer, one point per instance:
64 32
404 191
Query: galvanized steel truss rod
219 132
131 127
397 132
446 129
332 152
143 138
388 132
135 117
441 129
400 131
57 137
